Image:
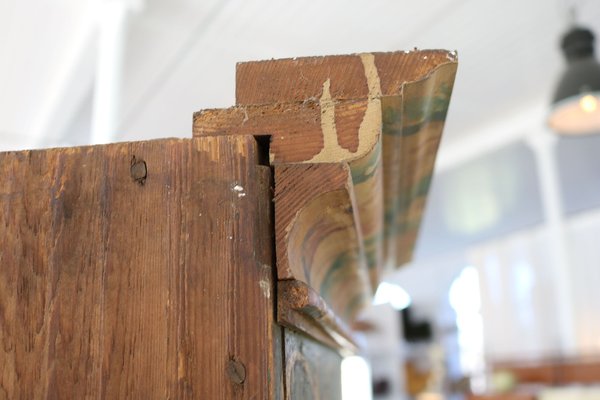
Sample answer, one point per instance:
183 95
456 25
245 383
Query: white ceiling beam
112 25
71 86
543 144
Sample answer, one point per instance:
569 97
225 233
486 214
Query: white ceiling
181 57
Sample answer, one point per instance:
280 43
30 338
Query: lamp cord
572 16
570 8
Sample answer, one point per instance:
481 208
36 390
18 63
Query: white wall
518 291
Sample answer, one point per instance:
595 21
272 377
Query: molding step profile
352 143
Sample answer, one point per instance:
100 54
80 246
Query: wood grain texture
381 114
312 371
300 308
295 128
412 130
407 96
298 79
318 240
380 117
297 136
112 286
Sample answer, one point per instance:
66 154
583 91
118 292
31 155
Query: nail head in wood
138 170
236 371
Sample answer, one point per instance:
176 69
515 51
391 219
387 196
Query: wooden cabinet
228 265
137 270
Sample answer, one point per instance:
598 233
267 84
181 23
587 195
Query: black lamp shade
576 103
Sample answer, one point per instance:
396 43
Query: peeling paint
368 131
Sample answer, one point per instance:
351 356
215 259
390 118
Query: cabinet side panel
51 268
137 270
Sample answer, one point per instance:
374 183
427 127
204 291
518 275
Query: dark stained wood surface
118 285
312 370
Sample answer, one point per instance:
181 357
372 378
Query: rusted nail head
236 371
138 170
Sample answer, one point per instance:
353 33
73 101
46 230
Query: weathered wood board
138 270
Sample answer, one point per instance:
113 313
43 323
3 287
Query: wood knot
236 371
138 170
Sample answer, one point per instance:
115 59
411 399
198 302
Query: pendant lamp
576 104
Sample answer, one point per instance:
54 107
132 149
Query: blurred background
503 296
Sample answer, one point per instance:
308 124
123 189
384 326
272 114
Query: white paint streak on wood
370 127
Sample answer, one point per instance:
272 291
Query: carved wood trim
379 117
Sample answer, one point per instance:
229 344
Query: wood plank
312 370
114 284
298 79
50 253
295 128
